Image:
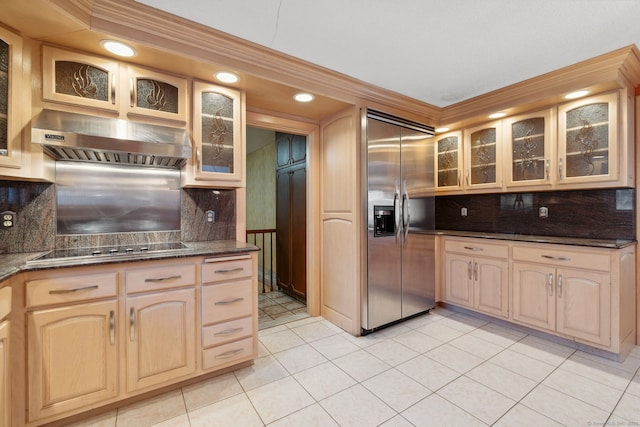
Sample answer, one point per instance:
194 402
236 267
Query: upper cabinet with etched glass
483 145
448 161
587 140
10 78
79 79
218 136
529 141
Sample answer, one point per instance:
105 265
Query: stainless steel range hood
83 138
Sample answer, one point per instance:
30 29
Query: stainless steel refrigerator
400 281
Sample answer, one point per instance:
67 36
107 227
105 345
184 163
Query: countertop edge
11 264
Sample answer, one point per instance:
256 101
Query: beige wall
261 185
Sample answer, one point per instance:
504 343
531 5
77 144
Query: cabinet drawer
66 289
562 257
226 301
226 353
477 248
228 331
150 279
226 270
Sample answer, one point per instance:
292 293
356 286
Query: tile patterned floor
277 308
439 369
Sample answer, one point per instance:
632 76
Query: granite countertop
574 241
14 263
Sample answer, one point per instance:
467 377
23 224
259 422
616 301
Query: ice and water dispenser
384 221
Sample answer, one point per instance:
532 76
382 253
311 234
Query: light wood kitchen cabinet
228 312
577 293
5 379
448 161
161 336
219 138
10 91
530 158
72 357
483 156
477 275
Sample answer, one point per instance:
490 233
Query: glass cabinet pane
587 140
4 98
448 161
483 156
217 132
527 145
156 95
81 80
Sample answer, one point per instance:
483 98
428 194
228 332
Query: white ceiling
437 51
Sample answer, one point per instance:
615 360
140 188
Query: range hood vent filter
83 138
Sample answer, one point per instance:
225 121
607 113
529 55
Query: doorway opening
276 221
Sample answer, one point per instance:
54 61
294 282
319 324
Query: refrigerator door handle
406 216
396 209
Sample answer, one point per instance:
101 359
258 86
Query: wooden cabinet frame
14 157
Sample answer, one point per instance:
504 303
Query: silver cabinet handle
70 291
467 177
227 302
559 285
556 258
132 324
113 88
112 327
227 332
163 279
469 270
475 271
473 248
231 270
546 169
132 92
228 354
550 284
560 168
459 179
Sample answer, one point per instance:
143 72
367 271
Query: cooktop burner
110 250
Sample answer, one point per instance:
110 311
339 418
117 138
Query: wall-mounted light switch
211 217
543 212
8 219
463 212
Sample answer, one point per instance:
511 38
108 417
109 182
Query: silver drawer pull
70 291
231 301
556 258
163 279
473 248
227 332
112 327
231 270
228 354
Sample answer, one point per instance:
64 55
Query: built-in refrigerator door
418 215
382 300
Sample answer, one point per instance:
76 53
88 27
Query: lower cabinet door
492 286
161 337
584 305
459 280
5 401
534 299
72 357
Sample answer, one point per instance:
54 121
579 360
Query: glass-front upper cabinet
483 156
587 140
158 95
448 161
217 133
10 80
79 79
529 142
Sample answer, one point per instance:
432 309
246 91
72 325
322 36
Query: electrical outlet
463 212
543 212
211 217
8 219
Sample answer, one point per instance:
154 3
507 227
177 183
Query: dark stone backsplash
35 227
593 214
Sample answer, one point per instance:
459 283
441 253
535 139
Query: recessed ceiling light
118 48
497 115
576 94
303 97
440 130
226 77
